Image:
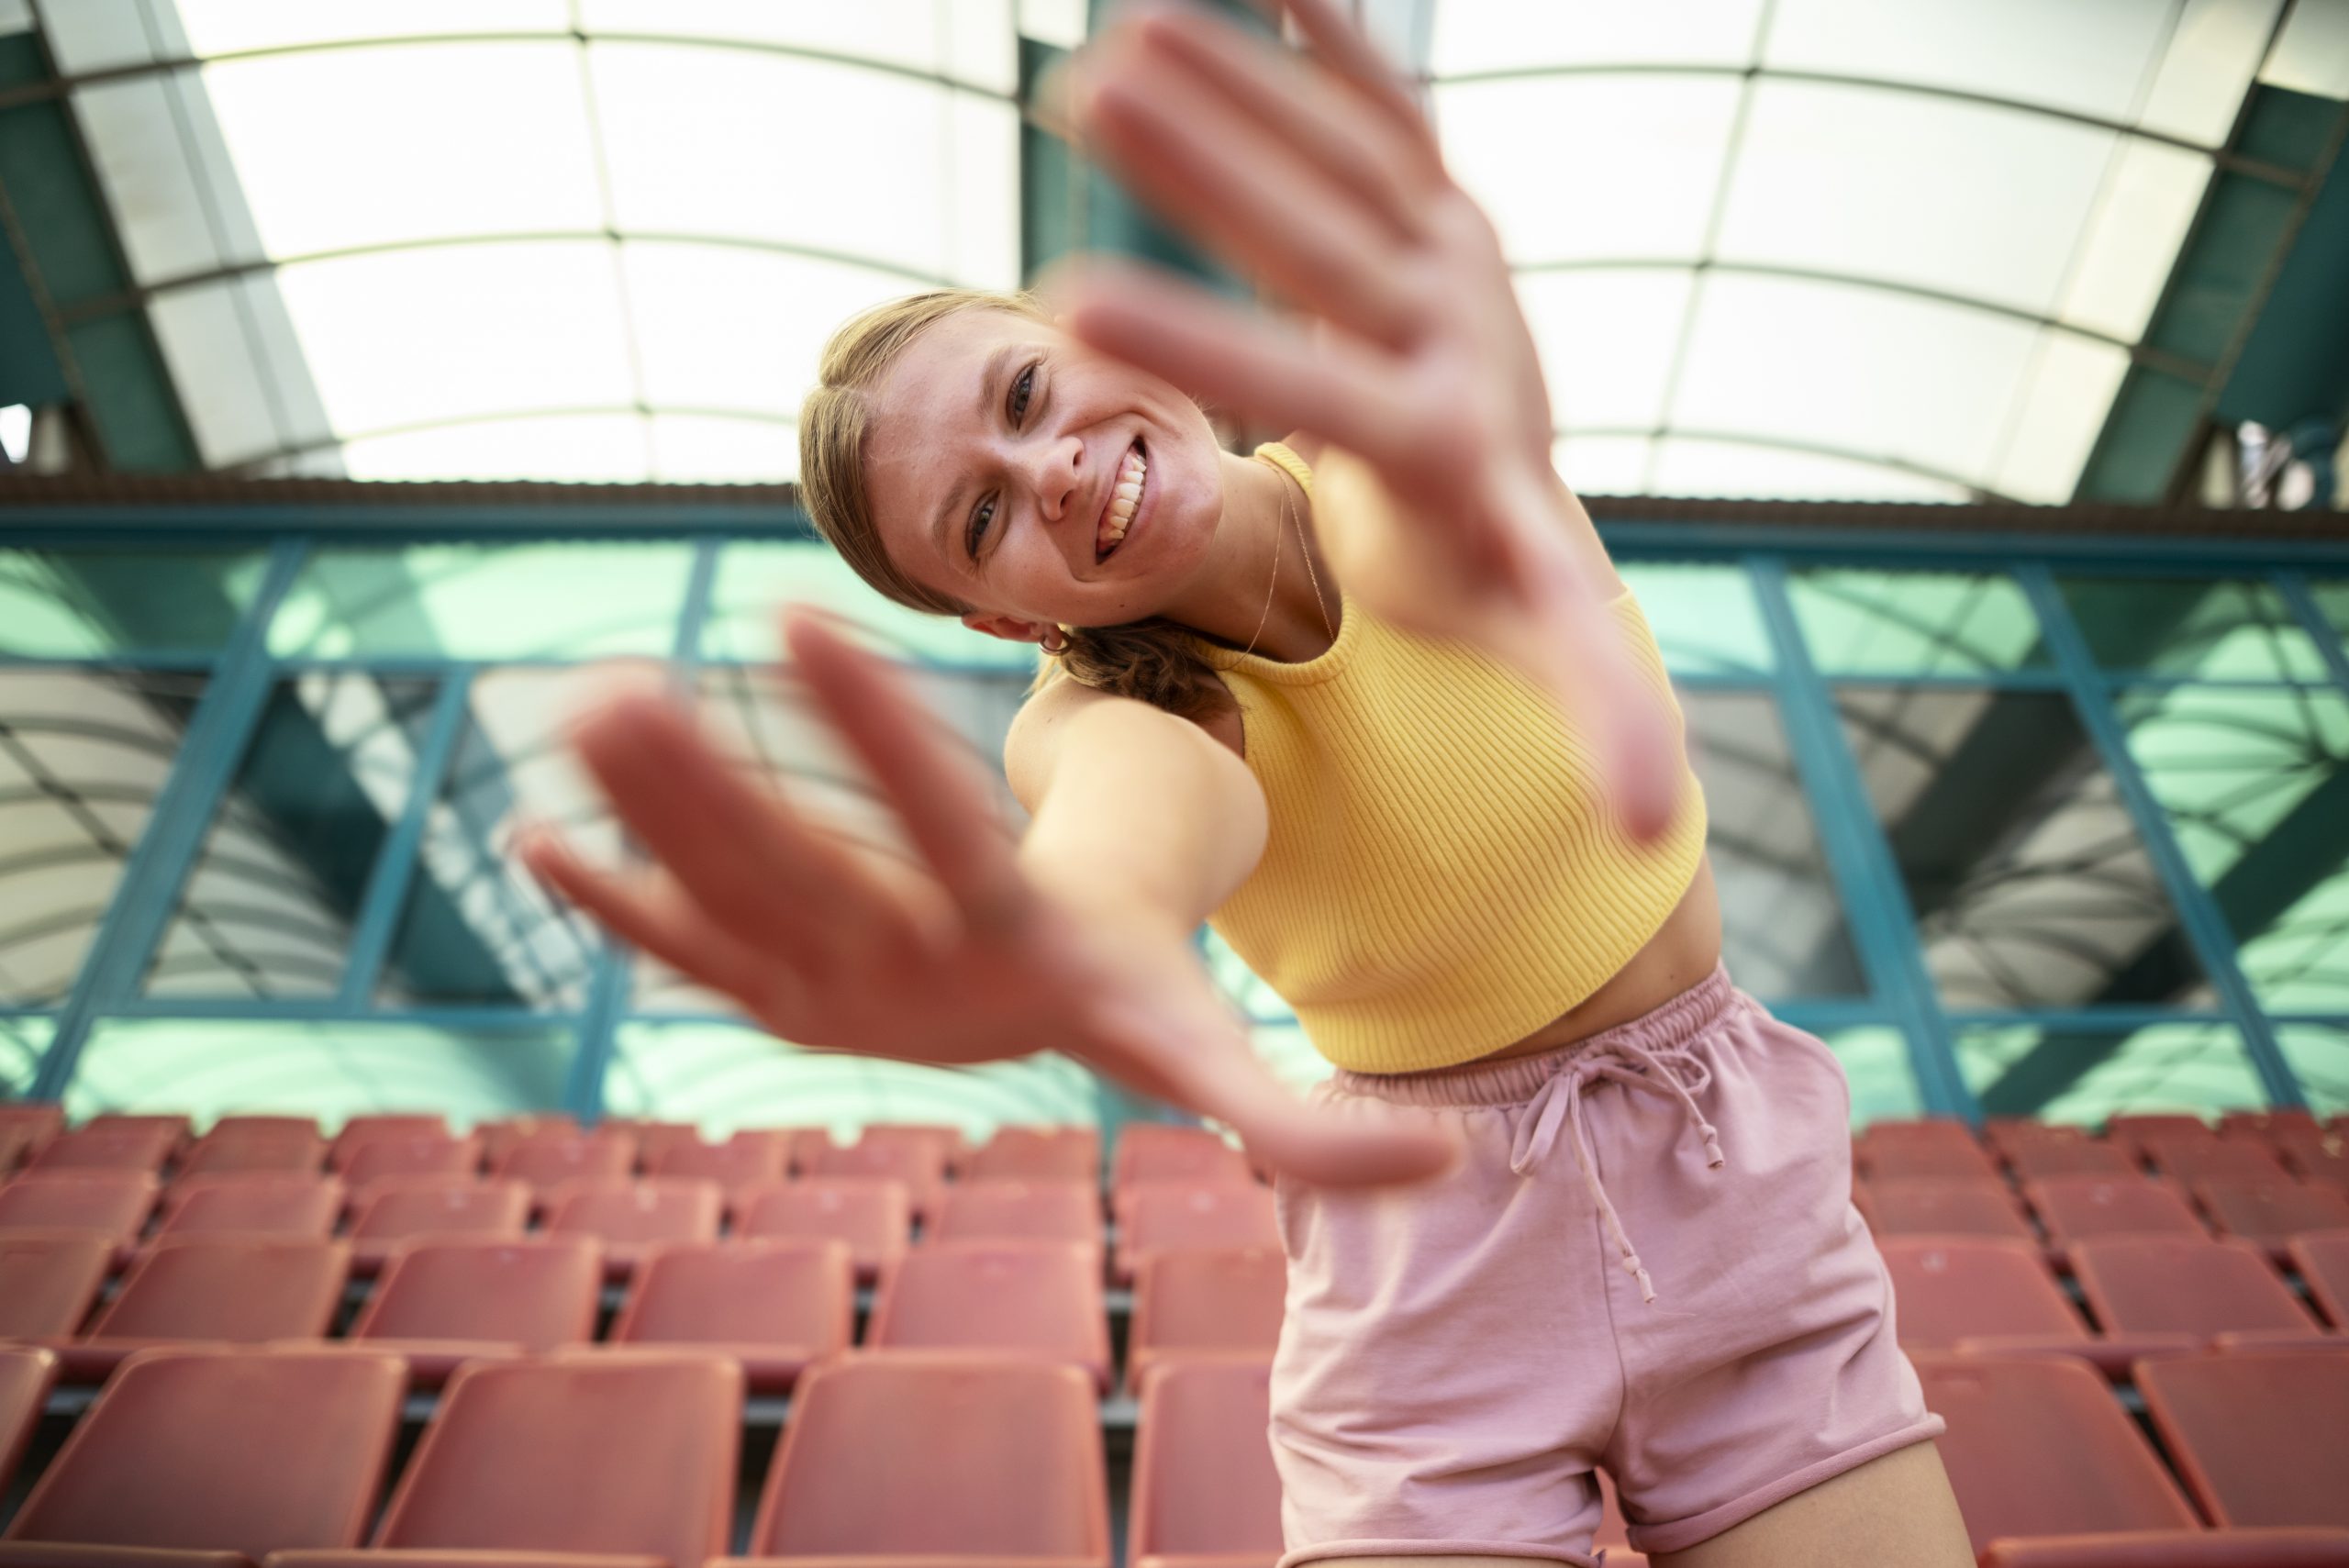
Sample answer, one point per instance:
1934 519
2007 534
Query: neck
1263 508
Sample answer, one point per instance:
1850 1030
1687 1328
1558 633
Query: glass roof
1883 248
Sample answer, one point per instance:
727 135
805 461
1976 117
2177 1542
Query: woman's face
996 448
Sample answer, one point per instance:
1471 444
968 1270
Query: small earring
1049 646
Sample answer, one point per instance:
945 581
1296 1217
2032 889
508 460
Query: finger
936 788
1217 174
741 853
652 916
1355 60
1256 366
1331 128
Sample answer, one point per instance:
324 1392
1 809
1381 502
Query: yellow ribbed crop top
1441 877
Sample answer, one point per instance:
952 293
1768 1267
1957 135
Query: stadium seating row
2263 1209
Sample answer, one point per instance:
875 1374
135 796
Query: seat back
1938 1149
549 1160
47 1281
539 1292
2262 1438
2322 1259
1035 1297
997 1210
1208 1299
254 1204
874 1218
1039 1154
2204 1158
136 1147
1153 1152
224 1451
1921 1205
656 1209
360 1130
2155 1284
389 1154
2271 1210
2076 1209
738 1162
783 1293
289 1144
934 1454
245 1290
614 1453
1948 1289
26 1374
1204 1482
113 1204
427 1205
918 1162
1157 1216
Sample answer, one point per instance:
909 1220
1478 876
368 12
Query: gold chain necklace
1289 511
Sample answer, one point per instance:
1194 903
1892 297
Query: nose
1055 464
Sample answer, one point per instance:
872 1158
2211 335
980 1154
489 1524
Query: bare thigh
1897 1509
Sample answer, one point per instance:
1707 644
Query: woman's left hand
1319 179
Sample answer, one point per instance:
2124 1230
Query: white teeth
1123 499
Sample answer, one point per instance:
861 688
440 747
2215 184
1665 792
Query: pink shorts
1648 1263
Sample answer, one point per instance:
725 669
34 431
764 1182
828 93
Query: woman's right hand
963 957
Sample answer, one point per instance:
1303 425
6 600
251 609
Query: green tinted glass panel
2029 881
2319 1056
754 581
75 604
1883 1077
268 909
332 1070
2256 785
723 1076
22 1040
2332 596
2085 1075
1782 922
1916 623
82 756
1704 616
2218 630
574 600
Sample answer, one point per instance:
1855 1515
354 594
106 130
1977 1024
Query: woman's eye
1021 390
979 520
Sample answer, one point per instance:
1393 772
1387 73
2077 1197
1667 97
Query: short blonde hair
1151 660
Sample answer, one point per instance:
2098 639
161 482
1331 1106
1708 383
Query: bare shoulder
1037 729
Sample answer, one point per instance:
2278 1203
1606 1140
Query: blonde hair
1151 660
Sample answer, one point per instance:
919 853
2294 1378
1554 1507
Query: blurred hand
961 958
1318 177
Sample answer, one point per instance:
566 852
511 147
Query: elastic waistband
1513 1081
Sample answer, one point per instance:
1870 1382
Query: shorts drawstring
1672 1071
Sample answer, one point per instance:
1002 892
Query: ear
1011 629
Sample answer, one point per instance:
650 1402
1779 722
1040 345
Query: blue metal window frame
1900 995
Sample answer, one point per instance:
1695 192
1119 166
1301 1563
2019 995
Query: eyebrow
988 375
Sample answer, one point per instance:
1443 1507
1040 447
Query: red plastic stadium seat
807 1144
2041 1447
232 1290
631 1217
874 1218
914 1157
1205 1493
2078 1208
1939 1149
1155 1217
1156 1151
18 1142
138 1146
939 1455
441 1303
292 1145
2321 1157
1000 1210
499 1135
361 1130
191 1450
2078 1157
398 1210
744 1160
2157 1284
2259 1124
2174 1549
26 1374
2322 1259
2259 1438
112 1204
2272 1212
1933 1206
547 1160
47 1281
2192 1159
625 1454
46 1116
1032 1298
260 1203
403 1154
1224 1300
1039 1154
2131 1132
1948 1289
773 1306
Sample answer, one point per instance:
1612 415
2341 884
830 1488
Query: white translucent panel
2089 56
1833 179
599 447
2312 54
839 159
1512 35
1060 23
105 35
277 348
2063 405
1879 375
2213 52
1691 466
692 449
1606 340
347 148
1591 167
729 327
162 206
419 337
970 41
1603 465
983 185
16 17
229 26
205 342
2130 244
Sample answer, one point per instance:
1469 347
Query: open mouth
1125 506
